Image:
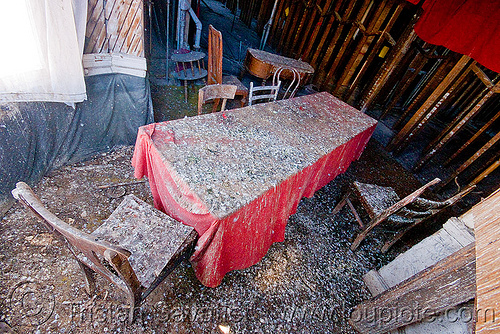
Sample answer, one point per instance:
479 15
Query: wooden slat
308 35
95 28
422 115
374 52
312 40
277 21
323 77
485 219
290 19
313 61
363 45
413 70
471 140
448 283
473 158
307 15
454 130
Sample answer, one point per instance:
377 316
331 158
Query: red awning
470 27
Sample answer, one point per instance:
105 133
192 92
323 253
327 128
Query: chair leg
355 213
361 236
341 204
89 278
399 235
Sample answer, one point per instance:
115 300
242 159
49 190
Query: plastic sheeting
36 137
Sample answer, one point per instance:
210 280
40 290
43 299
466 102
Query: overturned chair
136 248
382 204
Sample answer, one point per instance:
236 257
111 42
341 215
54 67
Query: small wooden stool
188 67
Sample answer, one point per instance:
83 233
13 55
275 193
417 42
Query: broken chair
215 66
212 92
135 248
382 204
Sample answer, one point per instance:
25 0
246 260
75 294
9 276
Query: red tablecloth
237 177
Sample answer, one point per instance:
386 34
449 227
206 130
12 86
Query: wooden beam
325 62
485 220
429 107
413 70
448 283
473 158
491 167
482 76
476 135
374 52
372 34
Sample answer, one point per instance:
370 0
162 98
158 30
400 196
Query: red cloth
242 238
469 27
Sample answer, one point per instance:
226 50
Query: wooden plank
118 24
453 131
304 53
430 113
132 25
95 28
134 35
365 8
298 15
277 21
422 115
413 70
473 158
448 283
308 35
363 45
324 35
471 140
486 222
482 76
492 165
306 15
374 52
290 19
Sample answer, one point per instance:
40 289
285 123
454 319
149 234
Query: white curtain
41 52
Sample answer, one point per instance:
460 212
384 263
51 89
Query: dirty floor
306 284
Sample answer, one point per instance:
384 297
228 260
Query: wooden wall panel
115 26
486 220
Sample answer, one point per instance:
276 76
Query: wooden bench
135 248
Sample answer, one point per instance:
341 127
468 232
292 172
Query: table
237 176
188 68
263 64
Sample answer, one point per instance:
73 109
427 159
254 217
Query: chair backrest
81 243
294 84
217 91
258 93
214 56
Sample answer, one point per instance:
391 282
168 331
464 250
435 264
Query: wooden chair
258 93
135 249
383 204
217 91
215 66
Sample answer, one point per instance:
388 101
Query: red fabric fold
469 27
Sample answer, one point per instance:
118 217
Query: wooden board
485 218
122 32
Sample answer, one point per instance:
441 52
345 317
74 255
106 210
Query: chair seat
152 237
233 80
374 198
